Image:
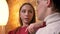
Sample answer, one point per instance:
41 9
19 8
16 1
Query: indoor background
14 6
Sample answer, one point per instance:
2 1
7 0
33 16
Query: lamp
4 14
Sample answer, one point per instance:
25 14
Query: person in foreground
48 11
26 16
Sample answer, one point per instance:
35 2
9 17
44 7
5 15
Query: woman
27 16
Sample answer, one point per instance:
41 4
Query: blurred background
14 5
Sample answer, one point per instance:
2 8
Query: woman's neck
24 24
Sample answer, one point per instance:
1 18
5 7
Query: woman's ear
48 3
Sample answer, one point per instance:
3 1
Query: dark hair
56 4
33 19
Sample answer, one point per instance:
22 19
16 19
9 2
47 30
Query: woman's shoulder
11 32
14 31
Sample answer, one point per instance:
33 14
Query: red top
20 30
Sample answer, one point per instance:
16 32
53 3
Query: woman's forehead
27 6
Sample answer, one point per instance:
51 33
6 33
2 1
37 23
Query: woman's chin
26 22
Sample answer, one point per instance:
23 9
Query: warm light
4 12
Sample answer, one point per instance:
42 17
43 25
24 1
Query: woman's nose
26 13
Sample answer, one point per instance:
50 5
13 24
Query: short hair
56 4
33 19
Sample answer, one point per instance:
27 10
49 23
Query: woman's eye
23 11
30 11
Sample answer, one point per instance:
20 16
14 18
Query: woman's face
26 14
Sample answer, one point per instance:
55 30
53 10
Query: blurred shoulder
14 31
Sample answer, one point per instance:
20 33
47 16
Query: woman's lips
27 19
